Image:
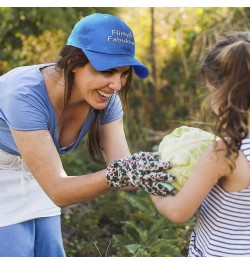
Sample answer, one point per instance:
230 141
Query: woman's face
96 87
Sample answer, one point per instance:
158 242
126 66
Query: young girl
220 183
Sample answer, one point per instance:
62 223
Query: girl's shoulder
239 179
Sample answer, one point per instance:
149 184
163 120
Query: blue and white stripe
223 227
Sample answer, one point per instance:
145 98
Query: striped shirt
223 226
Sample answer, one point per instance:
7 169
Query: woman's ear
72 59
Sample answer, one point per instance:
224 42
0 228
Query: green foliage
20 26
79 162
88 228
122 224
148 234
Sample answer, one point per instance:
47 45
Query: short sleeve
24 110
113 111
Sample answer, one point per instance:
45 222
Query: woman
46 110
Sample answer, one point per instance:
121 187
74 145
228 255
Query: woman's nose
115 83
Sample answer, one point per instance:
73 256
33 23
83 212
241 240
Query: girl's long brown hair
72 57
227 68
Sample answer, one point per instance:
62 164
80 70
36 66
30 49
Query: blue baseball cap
107 42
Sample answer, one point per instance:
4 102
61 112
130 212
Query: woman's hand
142 170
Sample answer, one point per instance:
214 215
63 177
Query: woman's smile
103 94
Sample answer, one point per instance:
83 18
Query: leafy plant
148 234
122 224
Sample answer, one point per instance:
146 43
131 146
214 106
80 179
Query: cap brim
102 62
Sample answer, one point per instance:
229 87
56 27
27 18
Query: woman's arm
112 134
181 207
113 141
40 155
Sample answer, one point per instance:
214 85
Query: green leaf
133 248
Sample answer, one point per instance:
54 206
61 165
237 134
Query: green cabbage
183 147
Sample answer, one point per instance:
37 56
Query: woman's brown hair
227 69
72 57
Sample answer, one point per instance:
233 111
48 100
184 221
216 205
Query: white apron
21 197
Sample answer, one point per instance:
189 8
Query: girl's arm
40 155
181 207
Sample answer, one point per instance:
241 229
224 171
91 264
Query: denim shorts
40 237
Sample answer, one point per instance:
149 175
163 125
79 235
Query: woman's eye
125 74
107 73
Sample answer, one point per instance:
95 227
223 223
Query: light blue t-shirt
25 106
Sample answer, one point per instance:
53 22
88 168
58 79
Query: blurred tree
154 78
22 27
172 49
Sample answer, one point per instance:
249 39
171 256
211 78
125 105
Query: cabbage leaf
183 147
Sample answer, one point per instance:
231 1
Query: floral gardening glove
143 170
